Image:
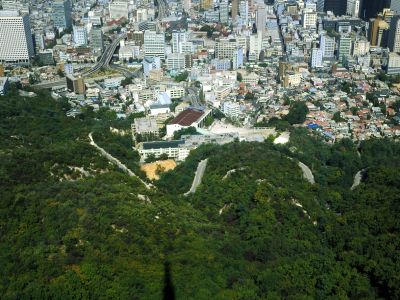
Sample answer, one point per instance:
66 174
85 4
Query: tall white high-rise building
261 18
316 58
327 45
224 11
154 44
244 11
394 34
80 36
178 40
16 44
309 18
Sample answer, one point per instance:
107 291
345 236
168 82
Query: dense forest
73 226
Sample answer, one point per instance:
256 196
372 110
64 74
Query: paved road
104 61
117 162
106 56
201 167
307 174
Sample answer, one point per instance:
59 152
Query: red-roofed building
188 118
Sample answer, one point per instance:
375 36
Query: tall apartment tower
96 40
395 6
16 43
345 47
338 7
224 11
62 14
353 8
178 38
261 17
394 34
235 9
370 9
327 45
80 36
154 44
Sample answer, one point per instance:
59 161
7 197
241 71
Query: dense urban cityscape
215 110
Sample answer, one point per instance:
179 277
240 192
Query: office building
96 40
231 109
118 9
16 43
178 40
261 18
235 9
154 44
361 47
151 63
224 11
225 48
39 41
394 34
393 66
344 49
327 46
62 14
353 8
79 35
378 28
371 8
175 61
316 58
237 60
76 84
309 19
338 7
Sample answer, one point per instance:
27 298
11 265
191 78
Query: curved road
117 162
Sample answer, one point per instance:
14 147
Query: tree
182 76
239 77
297 113
336 117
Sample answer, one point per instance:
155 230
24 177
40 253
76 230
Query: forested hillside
73 226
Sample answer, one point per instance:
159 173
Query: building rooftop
162 144
187 117
144 125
